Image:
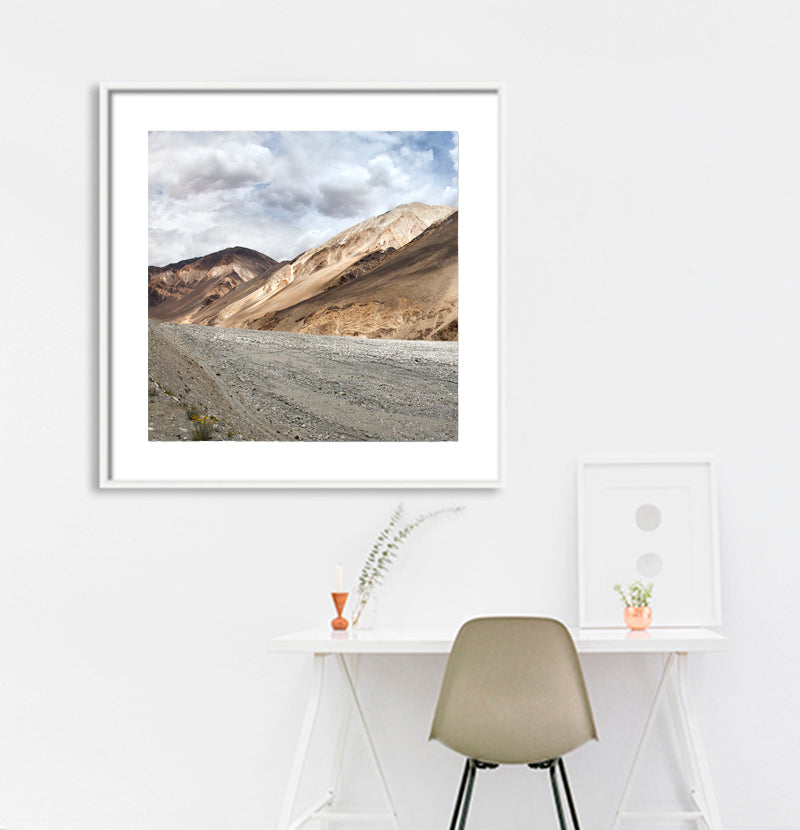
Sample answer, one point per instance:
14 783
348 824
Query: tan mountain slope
180 291
321 267
412 294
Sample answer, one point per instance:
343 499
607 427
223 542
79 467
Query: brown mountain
406 294
321 267
179 292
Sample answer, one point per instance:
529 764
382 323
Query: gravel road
278 386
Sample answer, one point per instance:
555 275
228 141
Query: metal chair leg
460 796
556 796
468 794
464 796
572 811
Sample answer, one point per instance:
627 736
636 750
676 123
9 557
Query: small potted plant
636 599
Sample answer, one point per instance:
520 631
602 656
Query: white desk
674 644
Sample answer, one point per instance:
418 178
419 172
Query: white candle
339 578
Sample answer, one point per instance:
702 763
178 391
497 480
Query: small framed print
652 519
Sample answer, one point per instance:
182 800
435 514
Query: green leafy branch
385 550
637 595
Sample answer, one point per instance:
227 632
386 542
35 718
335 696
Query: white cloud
187 163
454 152
384 173
281 193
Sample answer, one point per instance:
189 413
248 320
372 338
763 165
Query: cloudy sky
282 193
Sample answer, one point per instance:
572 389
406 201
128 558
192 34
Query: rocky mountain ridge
178 289
410 293
375 279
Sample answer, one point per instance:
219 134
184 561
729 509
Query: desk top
440 640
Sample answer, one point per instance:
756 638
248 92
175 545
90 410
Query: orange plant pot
637 619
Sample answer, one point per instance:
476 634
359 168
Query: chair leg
460 796
572 811
556 796
472 766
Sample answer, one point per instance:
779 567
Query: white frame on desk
673 644
686 538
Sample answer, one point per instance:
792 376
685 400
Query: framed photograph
649 519
323 285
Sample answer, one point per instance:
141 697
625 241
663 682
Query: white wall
652 305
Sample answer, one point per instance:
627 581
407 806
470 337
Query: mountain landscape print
303 286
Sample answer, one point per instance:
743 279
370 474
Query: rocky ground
280 386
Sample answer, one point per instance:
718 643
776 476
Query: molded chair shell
513 692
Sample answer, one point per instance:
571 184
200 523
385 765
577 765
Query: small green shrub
203 427
637 595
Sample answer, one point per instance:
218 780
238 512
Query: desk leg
651 717
341 741
356 703
301 752
321 811
708 801
701 790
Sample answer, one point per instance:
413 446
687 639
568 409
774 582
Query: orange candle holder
339 623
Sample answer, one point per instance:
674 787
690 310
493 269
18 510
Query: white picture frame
654 519
128 111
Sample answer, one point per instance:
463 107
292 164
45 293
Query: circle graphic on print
649 565
648 517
